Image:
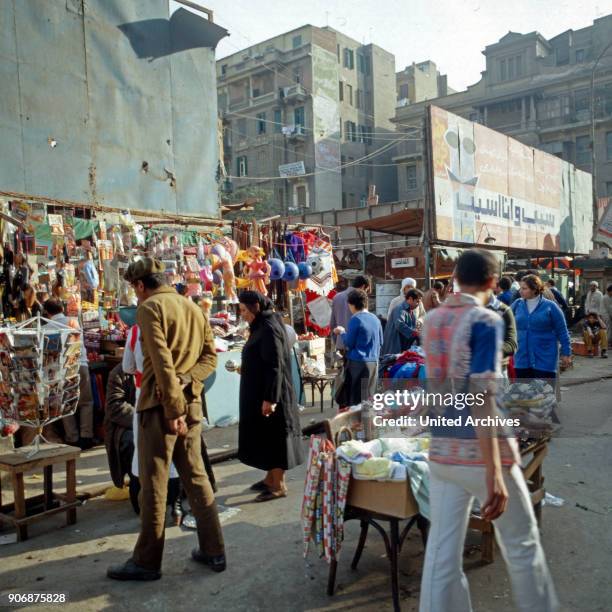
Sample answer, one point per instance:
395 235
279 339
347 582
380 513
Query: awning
407 222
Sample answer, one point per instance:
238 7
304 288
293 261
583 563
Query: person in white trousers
462 342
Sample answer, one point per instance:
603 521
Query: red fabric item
511 370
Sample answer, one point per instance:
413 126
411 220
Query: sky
452 33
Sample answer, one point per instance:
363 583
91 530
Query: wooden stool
17 463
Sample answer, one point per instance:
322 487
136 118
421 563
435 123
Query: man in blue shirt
505 294
362 341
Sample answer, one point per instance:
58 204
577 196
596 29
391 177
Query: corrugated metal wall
127 94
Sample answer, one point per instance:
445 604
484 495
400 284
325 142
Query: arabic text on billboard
489 185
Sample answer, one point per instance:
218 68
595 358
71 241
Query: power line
322 170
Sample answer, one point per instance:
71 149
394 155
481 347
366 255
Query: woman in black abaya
269 435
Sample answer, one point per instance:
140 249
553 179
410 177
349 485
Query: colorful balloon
277 268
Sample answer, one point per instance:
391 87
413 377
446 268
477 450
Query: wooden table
24 511
534 454
320 383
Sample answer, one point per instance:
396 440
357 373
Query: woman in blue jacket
541 327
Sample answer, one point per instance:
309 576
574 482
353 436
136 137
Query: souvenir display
39 373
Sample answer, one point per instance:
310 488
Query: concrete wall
114 84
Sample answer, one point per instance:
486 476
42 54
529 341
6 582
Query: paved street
266 569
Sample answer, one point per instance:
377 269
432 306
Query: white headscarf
408 282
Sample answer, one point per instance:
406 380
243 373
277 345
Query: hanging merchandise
277 268
305 270
258 270
39 373
292 272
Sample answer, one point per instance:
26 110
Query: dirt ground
266 570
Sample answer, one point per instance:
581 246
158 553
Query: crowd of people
475 324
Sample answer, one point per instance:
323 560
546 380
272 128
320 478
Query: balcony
295 94
295 133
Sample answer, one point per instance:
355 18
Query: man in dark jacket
118 435
558 295
510 343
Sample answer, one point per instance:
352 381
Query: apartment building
420 82
537 91
308 115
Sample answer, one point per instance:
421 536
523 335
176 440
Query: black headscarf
250 298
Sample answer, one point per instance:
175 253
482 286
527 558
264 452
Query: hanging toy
258 270
218 277
305 270
226 267
316 264
277 268
292 272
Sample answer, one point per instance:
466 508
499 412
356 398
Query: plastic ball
277 268
316 263
292 272
305 270
217 277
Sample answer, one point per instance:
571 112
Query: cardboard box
391 498
313 347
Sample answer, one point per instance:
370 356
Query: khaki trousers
156 449
599 339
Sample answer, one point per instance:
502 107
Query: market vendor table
16 463
320 383
533 454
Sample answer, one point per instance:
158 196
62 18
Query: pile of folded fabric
391 459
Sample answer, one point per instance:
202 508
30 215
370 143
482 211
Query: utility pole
593 147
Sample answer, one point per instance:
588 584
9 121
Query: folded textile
375 468
357 451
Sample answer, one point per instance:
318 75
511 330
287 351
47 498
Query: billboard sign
604 231
491 189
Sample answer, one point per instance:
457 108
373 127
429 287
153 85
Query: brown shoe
270 495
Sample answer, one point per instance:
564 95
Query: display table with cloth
372 503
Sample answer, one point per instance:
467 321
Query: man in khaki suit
179 354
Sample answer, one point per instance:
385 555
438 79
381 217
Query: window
338 52
365 134
609 146
278 119
342 162
358 98
261 123
297 41
242 128
411 178
583 150
242 165
361 63
340 129
609 189
297 74
403 92
298 116
510 68
350 131
582 100
349 59
223 68
340 91
349 94
343 199
302 200
351 167
502 70
518 65
579 56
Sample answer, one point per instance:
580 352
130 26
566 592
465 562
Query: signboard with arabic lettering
604 231
489 186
